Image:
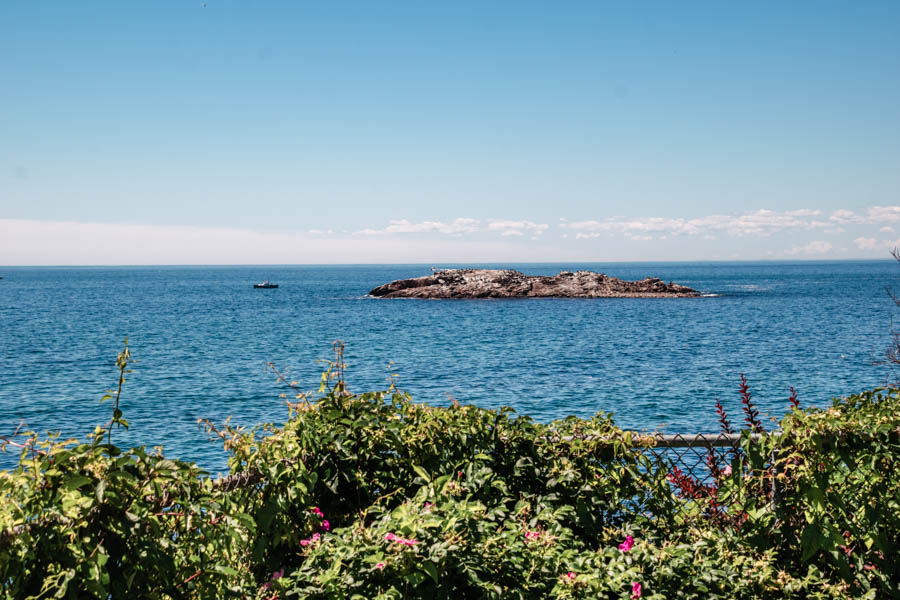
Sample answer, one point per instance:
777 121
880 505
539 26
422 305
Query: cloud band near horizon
747 236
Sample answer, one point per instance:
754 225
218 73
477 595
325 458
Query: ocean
201 337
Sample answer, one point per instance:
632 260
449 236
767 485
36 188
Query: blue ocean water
202 336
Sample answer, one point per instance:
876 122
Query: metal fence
691 452
701 470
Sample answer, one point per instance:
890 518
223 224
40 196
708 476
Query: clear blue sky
610 124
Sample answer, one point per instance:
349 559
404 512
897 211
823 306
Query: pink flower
316 537
304 543
627 545
428 506
326 525
635 590
379 566
390 537
532 535
727 471
568 578
317 512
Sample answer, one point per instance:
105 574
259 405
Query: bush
840 479
373 496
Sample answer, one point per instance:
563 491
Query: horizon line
364 264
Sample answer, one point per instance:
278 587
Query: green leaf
429 568
422 473
810 541
76 482
817 497
121 474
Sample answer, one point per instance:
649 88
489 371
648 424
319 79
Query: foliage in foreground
374 496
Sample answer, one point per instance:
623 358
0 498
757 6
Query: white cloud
460 226
875 215
844 216
518 227
814 247
454 227
883 214
864 243
403 240
24 242
757 223
760 224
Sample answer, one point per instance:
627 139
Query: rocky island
506 283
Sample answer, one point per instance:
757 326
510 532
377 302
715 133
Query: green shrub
838 470
373 496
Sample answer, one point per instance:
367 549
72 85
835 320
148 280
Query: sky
220 132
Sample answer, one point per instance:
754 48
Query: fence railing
691 452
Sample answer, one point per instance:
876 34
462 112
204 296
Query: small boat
265 285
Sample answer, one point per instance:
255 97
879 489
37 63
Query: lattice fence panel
709 473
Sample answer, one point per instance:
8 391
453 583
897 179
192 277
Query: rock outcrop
497 283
